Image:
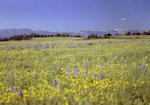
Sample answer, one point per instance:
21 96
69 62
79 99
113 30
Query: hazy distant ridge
14 31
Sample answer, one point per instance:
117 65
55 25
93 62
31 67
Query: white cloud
123 19
116 29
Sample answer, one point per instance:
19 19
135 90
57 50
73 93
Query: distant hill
87 33
14 31
99 33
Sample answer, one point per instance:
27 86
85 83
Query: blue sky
75 15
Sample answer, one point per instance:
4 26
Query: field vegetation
75 71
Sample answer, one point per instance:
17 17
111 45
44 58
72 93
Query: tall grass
68 71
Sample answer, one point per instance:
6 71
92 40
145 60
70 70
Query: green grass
132 37
41 71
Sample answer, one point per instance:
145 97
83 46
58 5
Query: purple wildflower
88 43
67 70
56 83
86 64
46 45
30 70
101 76
20 93
35 76
144 67
58 69
12 74
13 90
85 73
76 70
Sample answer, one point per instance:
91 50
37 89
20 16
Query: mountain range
15 31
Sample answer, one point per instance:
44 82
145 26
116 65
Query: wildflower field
75 71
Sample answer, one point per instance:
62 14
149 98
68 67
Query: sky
75 15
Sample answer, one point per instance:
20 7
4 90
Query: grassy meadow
75 71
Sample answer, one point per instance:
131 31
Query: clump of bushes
93 36
108 35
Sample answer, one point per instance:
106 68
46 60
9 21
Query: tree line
93 36
137 33
34 35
